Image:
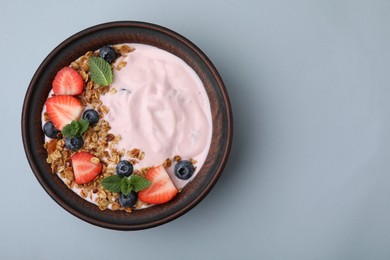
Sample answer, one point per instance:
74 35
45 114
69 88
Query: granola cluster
97 140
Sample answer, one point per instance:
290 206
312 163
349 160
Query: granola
97 140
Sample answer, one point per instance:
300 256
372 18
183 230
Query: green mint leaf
125 186
112 183
139 183
100 70
68 131
83 125
75 128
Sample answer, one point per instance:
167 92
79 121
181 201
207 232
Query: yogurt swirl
160 107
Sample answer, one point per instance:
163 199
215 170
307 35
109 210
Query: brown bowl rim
134 28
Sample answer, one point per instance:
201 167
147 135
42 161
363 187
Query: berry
74 143
107 53
62 110
162 188
124 168
85 167
49 130
92 116
68 82
128 200
184 170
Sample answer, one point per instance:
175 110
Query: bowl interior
114 33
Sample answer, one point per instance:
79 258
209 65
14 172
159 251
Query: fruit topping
91 115
128 200
107 53
124 168
68 82
85 167
162 188
74 143
50 131
184 170
63 109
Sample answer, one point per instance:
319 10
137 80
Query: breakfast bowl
35 109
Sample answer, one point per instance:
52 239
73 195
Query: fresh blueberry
74 143
50 130
184 170
107 53
92 116
124 168
128 200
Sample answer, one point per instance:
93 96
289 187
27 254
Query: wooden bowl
114 33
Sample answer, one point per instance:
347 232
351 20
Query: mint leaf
125 186
100 70
112 183
83 125
139 183
68 130
75 128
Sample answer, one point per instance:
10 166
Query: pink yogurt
160 107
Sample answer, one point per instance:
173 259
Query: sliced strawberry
162 188
85 167
63 109
68 82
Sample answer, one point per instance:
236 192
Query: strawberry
63 109
68 82
85 167
162 188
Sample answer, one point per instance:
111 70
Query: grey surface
309 173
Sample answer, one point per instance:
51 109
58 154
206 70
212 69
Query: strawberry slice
85 167
63 109
68 82
162 188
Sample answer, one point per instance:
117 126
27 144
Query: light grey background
309 172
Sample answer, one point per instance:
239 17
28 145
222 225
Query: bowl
94 38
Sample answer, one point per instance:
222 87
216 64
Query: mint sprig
139 183
112 183
75 128
100 70
125 185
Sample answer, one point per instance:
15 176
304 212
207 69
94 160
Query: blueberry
74 143
107 53
128 200
92 116
124 168
184 170
49 130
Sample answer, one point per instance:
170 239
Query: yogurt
160 107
